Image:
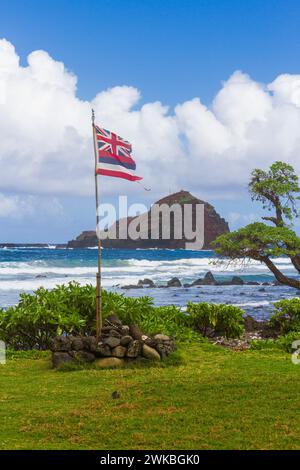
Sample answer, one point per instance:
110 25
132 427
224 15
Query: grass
212 399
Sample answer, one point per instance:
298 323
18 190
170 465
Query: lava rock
83 356
208 280
90 343
151 342
77 343
161 338
61 343
103 350
134 349
115 333
112 341
59 358
174 282
146 282
150 353
237 281
131 286
119 351
135 332
125 330
110 362
113 319
125 340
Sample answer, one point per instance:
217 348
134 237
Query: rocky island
214 225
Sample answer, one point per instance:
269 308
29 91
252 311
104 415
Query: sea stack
214 225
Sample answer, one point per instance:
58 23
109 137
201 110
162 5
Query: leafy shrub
283 342
287 315
262 344
41 316
70 309
225 320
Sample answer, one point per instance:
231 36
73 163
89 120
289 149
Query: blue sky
170 50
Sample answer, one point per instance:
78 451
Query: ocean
26 269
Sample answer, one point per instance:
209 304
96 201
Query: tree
277 189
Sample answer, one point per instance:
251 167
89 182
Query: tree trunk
296 262
282 278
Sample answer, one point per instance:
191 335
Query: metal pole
98 275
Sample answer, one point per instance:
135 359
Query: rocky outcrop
117 345
174 282
207 280
214 225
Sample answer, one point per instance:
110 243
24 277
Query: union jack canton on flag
114 156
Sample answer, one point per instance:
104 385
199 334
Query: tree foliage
277 189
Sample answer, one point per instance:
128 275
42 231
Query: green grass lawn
214 399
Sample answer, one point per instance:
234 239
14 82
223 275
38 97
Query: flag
114 155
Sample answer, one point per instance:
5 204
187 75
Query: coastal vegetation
277 189
70 310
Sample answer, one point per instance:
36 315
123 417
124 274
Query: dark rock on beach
145 283
207 280
174 282
132 286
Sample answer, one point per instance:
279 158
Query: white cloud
46 144
236 219
20 207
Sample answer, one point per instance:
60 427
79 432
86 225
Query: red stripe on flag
118 174
103 153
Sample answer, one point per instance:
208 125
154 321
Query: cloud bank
46 146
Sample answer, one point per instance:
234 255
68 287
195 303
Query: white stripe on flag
107 166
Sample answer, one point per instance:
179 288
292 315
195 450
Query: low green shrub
286 317
262 344
224 319
70 309
283 342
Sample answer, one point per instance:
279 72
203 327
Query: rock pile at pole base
117 345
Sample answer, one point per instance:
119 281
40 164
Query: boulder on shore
145 282
207 280
174 282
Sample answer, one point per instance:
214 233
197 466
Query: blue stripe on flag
115 161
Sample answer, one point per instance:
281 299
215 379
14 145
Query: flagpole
98 275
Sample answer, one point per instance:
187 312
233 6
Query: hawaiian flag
114 155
